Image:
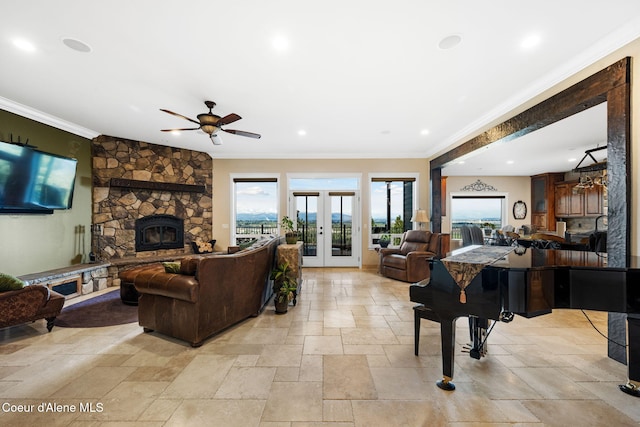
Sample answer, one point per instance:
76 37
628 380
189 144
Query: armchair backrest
415 240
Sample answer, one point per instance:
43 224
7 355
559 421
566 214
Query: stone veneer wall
116 209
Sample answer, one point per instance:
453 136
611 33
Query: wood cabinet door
593 200
576 205
562 200
539 221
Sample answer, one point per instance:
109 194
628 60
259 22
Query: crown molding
47 119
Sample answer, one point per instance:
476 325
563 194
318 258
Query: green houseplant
384 240
291 235
284 287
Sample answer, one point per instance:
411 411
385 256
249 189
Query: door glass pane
341 225
307 213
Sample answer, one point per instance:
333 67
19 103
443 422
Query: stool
128 293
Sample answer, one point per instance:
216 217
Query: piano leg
632 386
421 312
448 340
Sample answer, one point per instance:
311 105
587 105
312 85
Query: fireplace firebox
159 232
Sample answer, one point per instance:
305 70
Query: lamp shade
420 215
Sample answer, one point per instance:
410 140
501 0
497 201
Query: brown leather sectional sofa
28 304
211 292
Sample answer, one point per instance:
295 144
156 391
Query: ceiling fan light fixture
209 129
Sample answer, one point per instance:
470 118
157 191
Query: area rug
104 310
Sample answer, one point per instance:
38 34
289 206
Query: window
485 211
255 208
391 207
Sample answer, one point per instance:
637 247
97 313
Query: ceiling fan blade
242 133
216 139
233 117
180 115
171 130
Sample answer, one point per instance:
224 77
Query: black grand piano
526 282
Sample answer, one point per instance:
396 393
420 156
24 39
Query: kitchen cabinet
593 200
543 201
569 204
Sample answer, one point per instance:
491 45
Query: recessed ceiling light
531 41
302 132
25 45
280 43
77 45
572 159
450 42
510 162
424 132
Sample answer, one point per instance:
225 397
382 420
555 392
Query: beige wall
223 168
516 187
32 243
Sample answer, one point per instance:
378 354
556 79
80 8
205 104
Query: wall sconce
420 216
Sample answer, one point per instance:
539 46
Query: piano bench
421 312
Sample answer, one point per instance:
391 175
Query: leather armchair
410 262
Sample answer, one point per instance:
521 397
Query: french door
329 225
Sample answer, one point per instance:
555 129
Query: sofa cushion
10 283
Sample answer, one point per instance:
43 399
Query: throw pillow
171 267
10 283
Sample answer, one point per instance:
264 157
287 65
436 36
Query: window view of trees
391 207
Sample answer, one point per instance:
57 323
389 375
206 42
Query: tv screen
34 181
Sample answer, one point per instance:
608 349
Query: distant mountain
257 217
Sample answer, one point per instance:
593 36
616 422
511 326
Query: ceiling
331 79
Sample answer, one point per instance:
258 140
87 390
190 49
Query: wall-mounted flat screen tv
32 181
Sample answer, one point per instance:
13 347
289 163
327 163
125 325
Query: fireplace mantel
158 186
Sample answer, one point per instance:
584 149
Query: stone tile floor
342 357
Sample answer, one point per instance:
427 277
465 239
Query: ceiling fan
211 123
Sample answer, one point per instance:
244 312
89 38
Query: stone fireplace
133 180
157 232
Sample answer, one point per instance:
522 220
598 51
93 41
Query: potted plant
285 287
291 235
384 240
